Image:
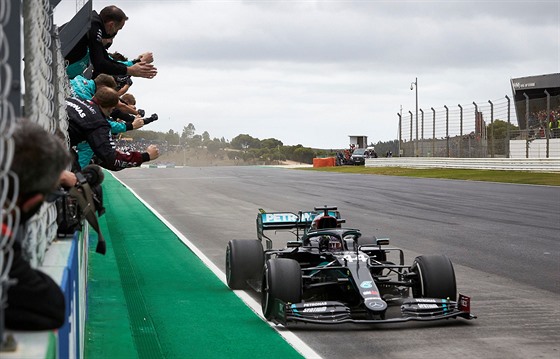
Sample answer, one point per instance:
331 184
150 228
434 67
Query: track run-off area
503 239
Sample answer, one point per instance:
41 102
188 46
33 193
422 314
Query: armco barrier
515 164
66 262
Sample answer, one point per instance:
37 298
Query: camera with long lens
81 202
93 175
152 118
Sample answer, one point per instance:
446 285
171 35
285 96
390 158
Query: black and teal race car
331 274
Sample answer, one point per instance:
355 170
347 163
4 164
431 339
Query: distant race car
330 274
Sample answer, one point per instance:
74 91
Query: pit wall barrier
324 162
66 261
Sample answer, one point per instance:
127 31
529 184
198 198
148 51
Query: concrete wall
535 148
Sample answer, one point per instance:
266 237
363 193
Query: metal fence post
447 128
434 134
527 143
508 138
547 129
475 123
461 132
422 137
491 128
410 112
400 133
413 145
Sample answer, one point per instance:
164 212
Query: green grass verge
520 177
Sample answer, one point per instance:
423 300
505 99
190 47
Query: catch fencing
45 88
10 213
472 130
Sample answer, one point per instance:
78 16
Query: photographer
34 301
88 122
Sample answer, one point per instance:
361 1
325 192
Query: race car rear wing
289 221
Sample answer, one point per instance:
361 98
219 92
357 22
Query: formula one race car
330 274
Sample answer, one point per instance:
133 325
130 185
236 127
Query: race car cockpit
326 234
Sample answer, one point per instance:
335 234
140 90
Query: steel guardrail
512 164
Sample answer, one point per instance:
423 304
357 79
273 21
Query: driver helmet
323 221
315 222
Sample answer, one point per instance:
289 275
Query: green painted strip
51 349
143 331
108 331
160 299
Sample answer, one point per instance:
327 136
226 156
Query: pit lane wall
66 261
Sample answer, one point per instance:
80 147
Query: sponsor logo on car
375 304
279 217
315 304
428 306
371 292
425 300
351 258
315 310
366 284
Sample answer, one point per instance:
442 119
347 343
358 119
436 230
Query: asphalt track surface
503 239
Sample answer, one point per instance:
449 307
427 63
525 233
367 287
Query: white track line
290 337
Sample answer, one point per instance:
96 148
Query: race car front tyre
435 277
244 262
281 280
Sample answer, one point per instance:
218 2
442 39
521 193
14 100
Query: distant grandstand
536 98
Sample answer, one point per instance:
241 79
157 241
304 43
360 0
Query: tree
304 154
137 135
213 146
244 142
205 137
172 137
188 133
498 130
250 155
271 143
196 141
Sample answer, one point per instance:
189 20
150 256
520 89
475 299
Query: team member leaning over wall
88 122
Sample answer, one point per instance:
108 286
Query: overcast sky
315 72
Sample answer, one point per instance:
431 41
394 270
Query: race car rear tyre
244 262
435 277
281 280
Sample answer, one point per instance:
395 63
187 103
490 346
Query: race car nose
376 304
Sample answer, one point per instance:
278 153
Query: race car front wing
333 312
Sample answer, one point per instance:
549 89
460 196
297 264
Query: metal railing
512 164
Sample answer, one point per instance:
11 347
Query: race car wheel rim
266 292
228 264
